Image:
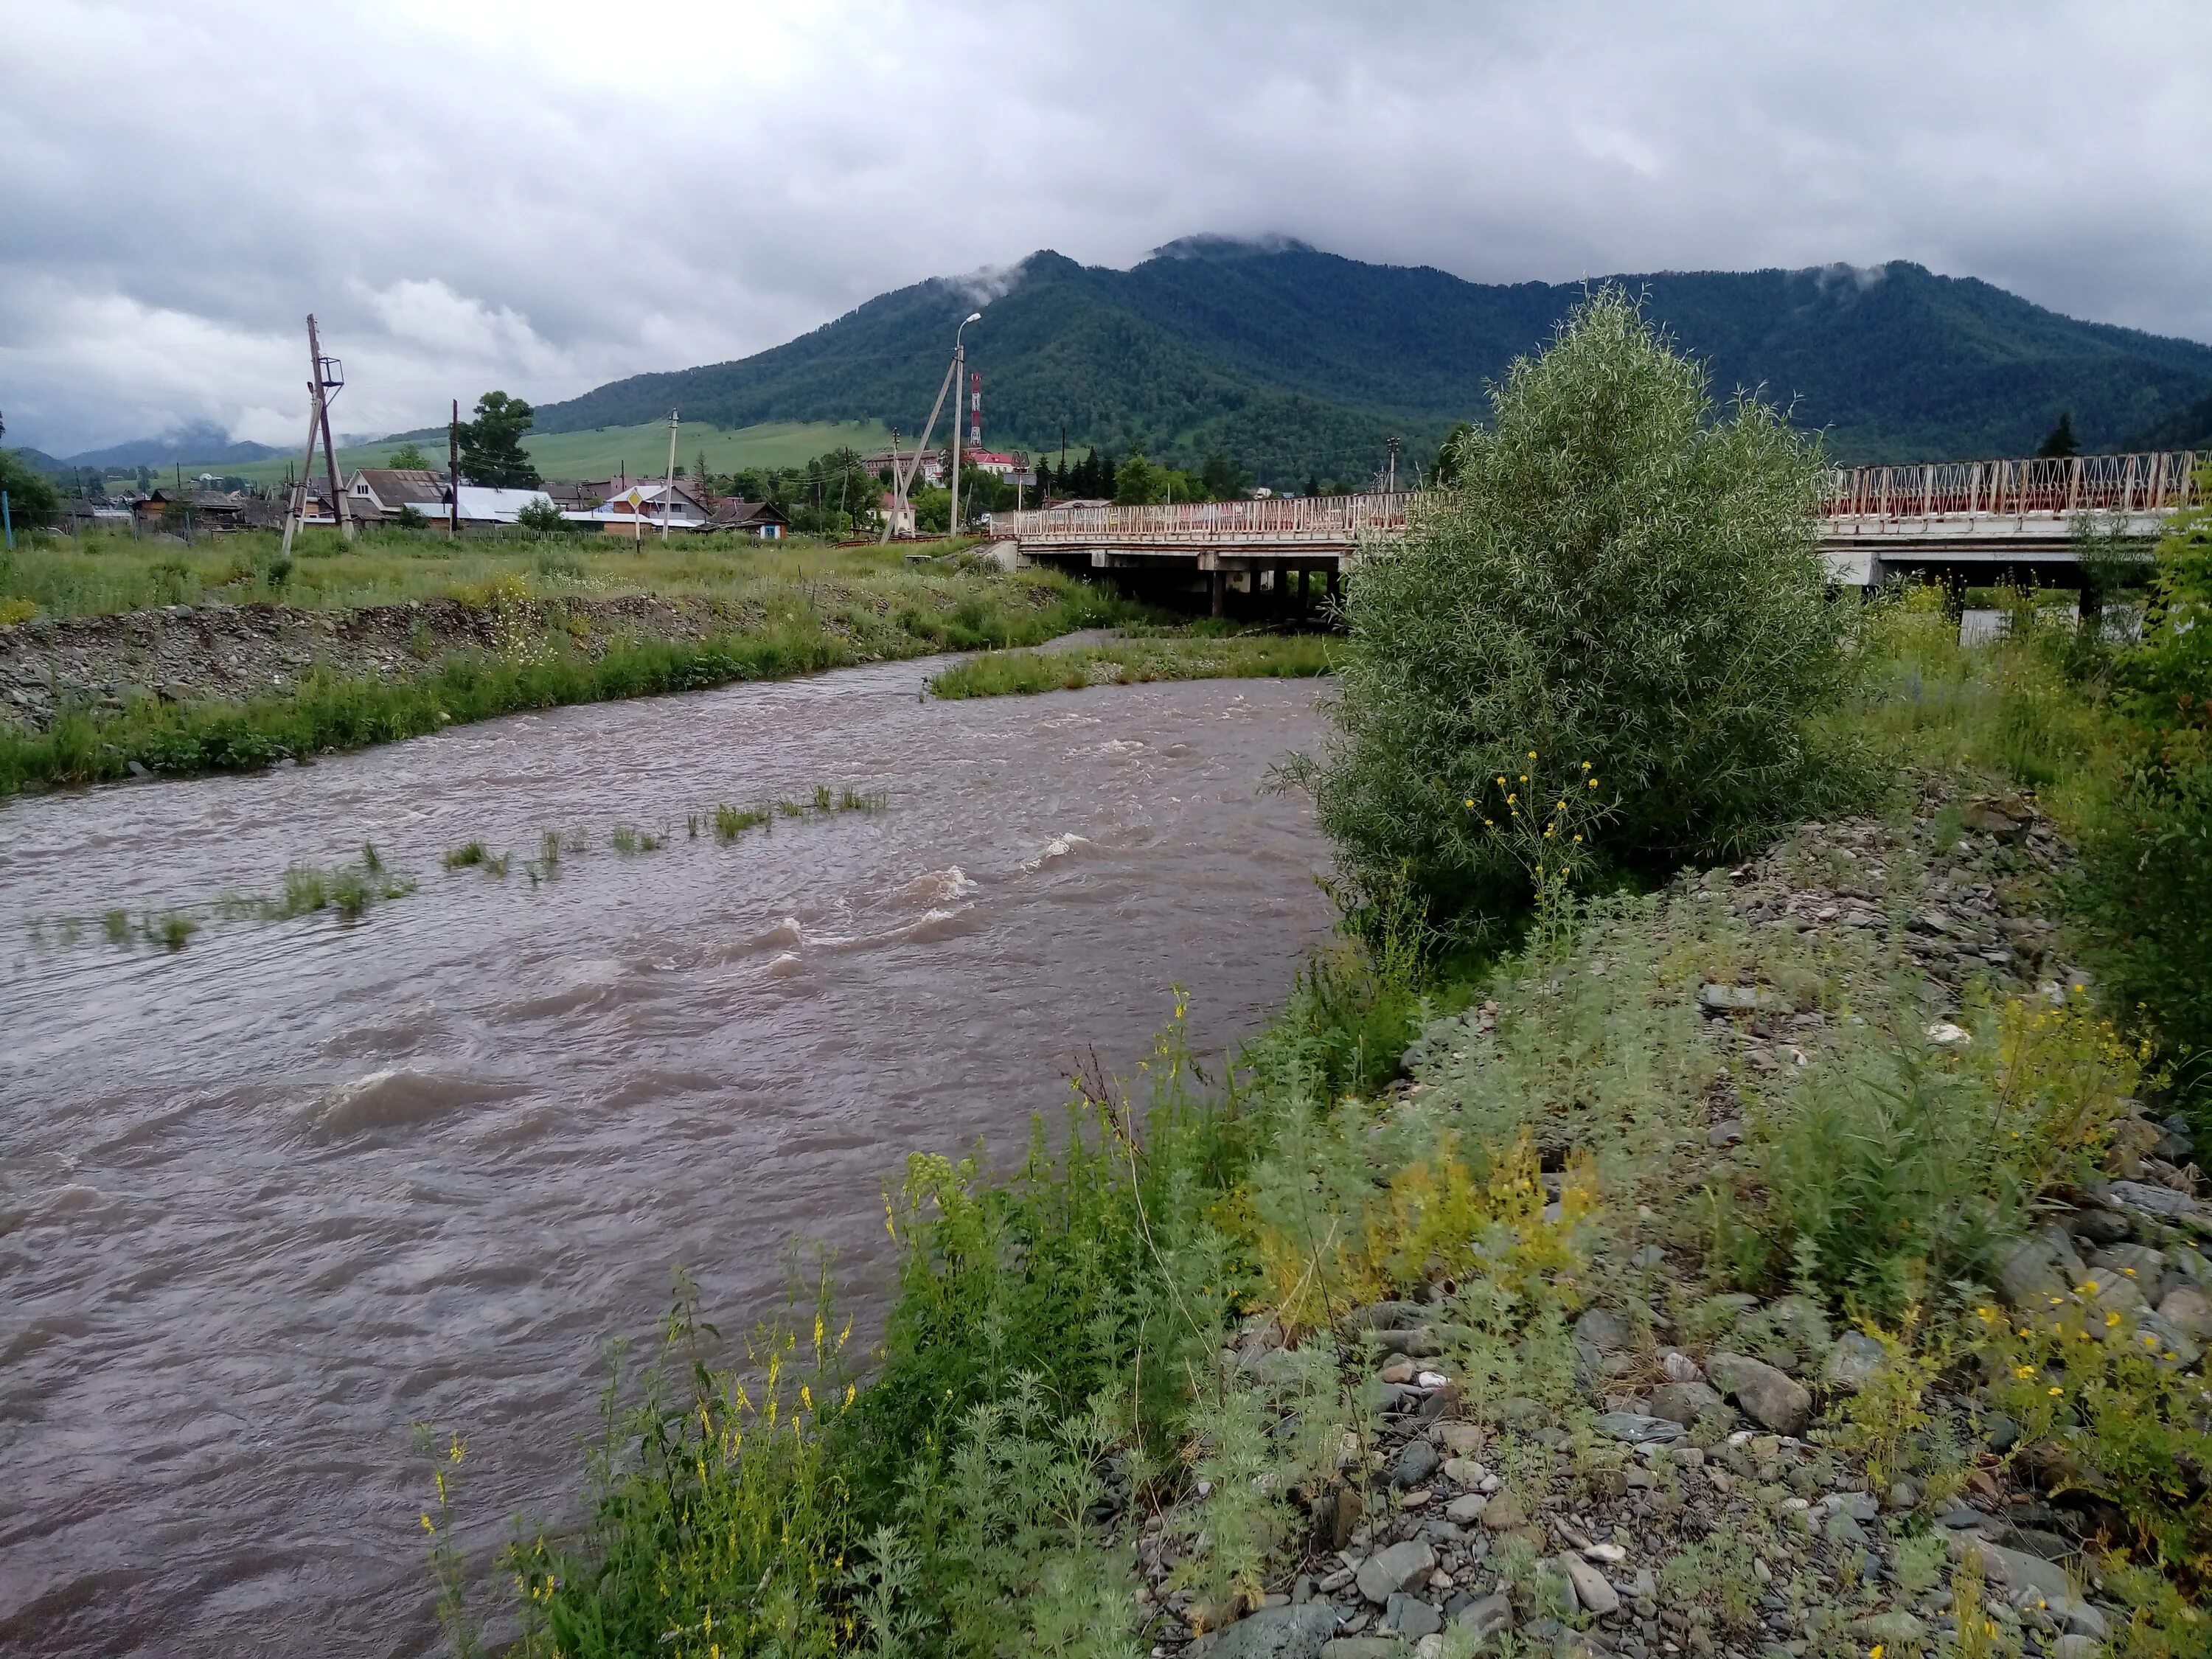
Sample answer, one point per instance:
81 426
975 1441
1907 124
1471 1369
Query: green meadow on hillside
602 452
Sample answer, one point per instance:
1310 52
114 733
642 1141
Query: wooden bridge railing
2083 483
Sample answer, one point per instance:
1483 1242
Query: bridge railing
2152 482
2080 484
1277 518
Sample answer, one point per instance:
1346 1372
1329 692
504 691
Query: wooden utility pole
327 377
454 472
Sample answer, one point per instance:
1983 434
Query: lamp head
973 317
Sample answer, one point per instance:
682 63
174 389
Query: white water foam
1059 847
937 887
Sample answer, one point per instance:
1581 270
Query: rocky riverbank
1678 1471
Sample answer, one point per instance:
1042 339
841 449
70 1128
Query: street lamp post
959 402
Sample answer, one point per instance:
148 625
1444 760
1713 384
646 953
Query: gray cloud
543 196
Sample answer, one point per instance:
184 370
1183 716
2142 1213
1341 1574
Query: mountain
203 445
1298 362
39 461
2186 428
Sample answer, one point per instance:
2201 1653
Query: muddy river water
267 1200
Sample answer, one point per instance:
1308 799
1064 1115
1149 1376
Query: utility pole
453 473
959 367
329 376
1391 444
904 481
668 493
898 495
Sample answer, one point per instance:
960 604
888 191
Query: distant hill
2186 428
39 461
1296 362
204 444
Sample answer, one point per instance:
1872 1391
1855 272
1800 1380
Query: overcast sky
543 196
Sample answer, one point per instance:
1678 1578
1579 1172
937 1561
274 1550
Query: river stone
1889 1630
1463 1471
1360 1647
2031 1274
1769 1397
1680 1402
1416 1462
2175 1346
1853 1362
1291 1632
2076 1647
1491 1616
1411 1617
1602 1328
1399 1567
1465 1439
2189 1311
2150 1200
1716 999
2077 1615
1636 1428
1502 1514
1591 1588
2016 1569
1465 1510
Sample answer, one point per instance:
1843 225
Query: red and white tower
976 412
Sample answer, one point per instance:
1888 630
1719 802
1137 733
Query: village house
640 506
386 489
207 510
758 519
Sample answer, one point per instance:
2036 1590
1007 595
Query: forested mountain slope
1298 363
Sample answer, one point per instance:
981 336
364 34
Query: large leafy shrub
1616 576
2147 858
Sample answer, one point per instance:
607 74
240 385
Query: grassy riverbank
1126 1390
1193 656
522 653
1711 1201
107 573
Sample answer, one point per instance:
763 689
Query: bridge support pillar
1213 585
1332 572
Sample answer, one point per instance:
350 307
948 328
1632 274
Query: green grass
1253 656
802 628
107 572
602 452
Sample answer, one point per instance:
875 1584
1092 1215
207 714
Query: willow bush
1618 574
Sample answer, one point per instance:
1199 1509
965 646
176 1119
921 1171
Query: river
267 1200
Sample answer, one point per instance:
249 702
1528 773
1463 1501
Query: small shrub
1616 578
1899 1167
541 519
13 611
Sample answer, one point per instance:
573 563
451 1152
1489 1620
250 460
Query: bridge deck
1966 512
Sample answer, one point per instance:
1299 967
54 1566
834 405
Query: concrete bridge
1980 521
